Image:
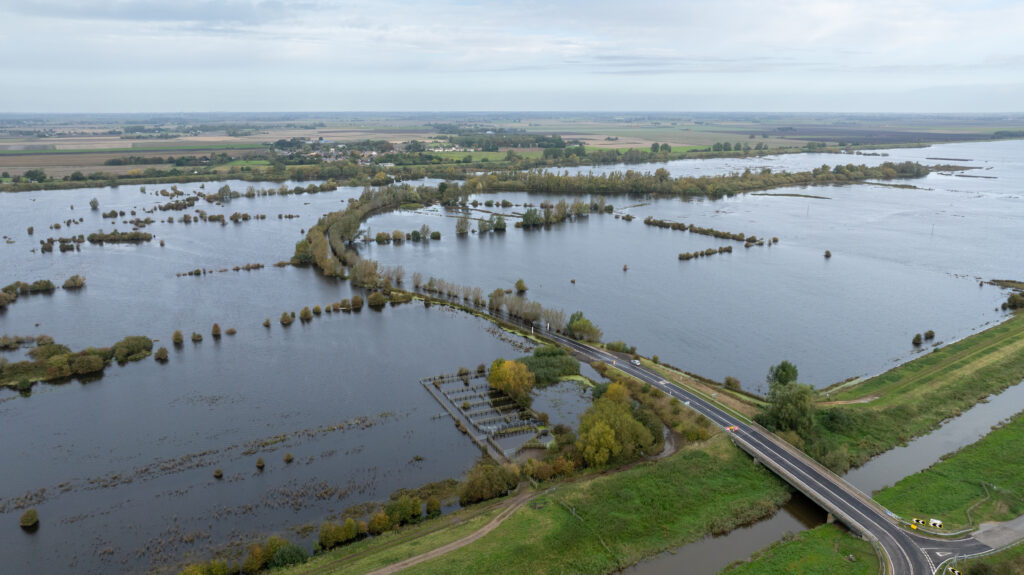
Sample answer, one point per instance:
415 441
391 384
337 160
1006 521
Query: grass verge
915 398
1007 562
981 482
824 550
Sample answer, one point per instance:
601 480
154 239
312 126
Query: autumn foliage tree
611 431
512 378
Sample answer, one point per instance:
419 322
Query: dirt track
514 504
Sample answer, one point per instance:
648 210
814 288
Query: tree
35 175
433 507
512 378
580 327
379 523
781 374
462 226
94 204
599 444
520 286
791 407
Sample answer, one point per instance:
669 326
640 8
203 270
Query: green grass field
984 477
824 550
604 524
392 547
595 526
197 147
913 399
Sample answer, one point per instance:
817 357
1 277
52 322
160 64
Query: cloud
429 54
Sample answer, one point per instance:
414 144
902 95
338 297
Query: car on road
732 428
635 361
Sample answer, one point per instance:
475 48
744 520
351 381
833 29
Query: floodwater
898 255
127 460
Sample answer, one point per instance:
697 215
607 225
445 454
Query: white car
635 361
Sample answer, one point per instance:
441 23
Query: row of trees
661 183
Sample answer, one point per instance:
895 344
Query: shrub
379 523
29 519
435 235
231 331
306 315
218 474
216 331
405 509
317 310
331 535
357 302
487 480
376 300
197 337
288 458
433 507
266 322
132 348
177 338
917 339
74 282
828 254
259 464
24 385
929 335
520 285
288 554
732 383
260 555
286 319
161 355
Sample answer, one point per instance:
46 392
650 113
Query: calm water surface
127 461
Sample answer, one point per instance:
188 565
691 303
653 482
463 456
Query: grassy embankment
1007 562
823 550
605 523
394 546
981 482
915 398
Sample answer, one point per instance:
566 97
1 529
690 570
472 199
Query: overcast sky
328 55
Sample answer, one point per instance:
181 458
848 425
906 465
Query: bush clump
216 331
306 315
132 348
917 340
288 554
357 302
377 300
74 282
286 319
29 519
177 338
197 337
288 458
487 480
161 355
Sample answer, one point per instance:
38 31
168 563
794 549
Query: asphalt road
908 553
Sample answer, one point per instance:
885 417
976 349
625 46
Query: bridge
903 552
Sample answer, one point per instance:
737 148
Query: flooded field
121 468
